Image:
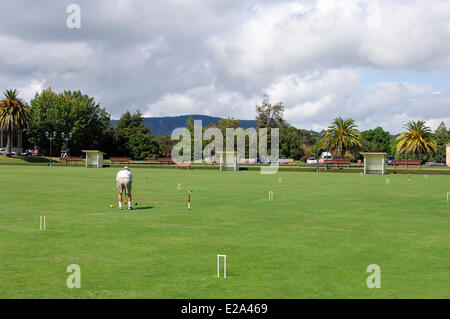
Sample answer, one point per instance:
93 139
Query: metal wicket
224 266
42 223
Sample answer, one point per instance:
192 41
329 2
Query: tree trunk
342 153
8 143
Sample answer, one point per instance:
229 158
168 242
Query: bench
120 159
166 160
187 165
152 160
285 160
248 160
337 162
407 162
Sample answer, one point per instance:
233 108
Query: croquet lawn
315 239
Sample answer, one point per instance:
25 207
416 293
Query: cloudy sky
379 62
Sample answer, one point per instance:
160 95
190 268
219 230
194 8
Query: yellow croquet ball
111 206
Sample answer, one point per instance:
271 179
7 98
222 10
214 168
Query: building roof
367 153
92 151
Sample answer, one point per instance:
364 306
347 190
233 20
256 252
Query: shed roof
92 151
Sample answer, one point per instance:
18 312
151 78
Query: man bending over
124 181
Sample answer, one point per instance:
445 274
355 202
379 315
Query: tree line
90 125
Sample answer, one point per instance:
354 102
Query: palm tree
342 135
417 140
13 114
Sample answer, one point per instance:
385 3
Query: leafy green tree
133 138
393 147
269 115
417 140
14 114
190 127
342 135
376 140
229 122
442 137
233 123
69 111
291 142
165 144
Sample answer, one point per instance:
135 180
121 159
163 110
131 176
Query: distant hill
163 126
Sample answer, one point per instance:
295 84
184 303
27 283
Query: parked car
326 156
311 160
3 151
389 160
27 153
36 153
435 164
269 160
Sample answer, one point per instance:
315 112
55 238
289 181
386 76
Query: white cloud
317 94
314 100
296 36
207 100
219 57
29 91
51 56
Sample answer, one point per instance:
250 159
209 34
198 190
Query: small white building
374 162
448 154
228 161
94 158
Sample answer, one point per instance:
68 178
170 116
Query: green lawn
314 240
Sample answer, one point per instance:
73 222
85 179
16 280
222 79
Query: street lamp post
317 139
50 137
66 138
317 155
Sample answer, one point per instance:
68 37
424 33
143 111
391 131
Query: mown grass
314 240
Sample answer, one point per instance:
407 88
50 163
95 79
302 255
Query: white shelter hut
94 158
228 161
374 162
448 154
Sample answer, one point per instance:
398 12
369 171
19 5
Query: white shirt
124 173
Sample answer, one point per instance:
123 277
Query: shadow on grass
33 159
143 207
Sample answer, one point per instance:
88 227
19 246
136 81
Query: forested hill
163 126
